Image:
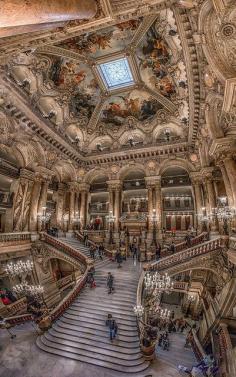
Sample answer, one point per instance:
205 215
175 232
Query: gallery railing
80 237
15 236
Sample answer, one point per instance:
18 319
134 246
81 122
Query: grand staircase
80 333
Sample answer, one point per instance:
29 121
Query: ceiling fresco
67 88
106 41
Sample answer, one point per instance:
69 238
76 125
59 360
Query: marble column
18 13
150 207
60 199
84 189
183 222
211 202
230 167
117 208
33 218
42 201
158 205
198 200
227 184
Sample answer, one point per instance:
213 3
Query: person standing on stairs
118 258
110 282
85 239
112 325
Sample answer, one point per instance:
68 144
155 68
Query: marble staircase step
123 335
102 343
113 309
101 316
47 346
127 342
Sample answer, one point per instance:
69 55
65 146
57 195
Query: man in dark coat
110 282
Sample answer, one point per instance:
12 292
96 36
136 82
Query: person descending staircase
80 333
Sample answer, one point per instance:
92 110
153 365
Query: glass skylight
116 73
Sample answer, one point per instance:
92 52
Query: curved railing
185 255
65 248
90 242
67 301
18 319
184 245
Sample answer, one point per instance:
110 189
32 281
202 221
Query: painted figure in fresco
116 112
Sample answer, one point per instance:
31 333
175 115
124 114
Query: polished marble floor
20 357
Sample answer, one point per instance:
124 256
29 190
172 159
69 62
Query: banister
90 242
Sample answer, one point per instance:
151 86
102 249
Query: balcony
6 199
175 181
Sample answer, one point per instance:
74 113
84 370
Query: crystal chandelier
158 282
110 218
45 216
223 211
191 298
25 288
138 310
19 268
164 314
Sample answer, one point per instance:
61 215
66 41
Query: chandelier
191 298
25 288
139 310
19 268
164 314
154 216
76 218
45 216
110 218
158 282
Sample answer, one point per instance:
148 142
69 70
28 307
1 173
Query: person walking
112 325
110 282
85 239
100 251
119 258
91 252
172 247
158 251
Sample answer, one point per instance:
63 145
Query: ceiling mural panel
137 104
106 41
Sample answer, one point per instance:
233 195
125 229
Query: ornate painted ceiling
62 82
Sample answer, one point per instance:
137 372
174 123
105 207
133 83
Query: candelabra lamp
44 217
154 219
204 218
225 214
111 219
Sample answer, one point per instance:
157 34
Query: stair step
69 330
91 325
113 309
91 360
123 336
101 317
124 325
101 344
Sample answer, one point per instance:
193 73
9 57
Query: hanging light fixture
159 282
25 288
19 268
138 310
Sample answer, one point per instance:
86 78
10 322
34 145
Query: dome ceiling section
160 60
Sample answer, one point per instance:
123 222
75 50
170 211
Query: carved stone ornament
42 255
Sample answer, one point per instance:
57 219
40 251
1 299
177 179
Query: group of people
207 367
96 251
7 296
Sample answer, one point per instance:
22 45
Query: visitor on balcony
172 247
158 251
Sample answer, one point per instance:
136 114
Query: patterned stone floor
20 357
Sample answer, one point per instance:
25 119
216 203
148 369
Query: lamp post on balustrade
44 217
225 214
154 219
111 219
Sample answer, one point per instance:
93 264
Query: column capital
153 181
206 172
73 186
196 178
27 174
222 148
61 187
84 187
114 184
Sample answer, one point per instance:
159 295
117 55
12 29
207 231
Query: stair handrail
90 242
204 236
65 248
185 255
67 301
196 346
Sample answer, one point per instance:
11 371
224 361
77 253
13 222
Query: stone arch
95 173
129 168
65 171
104 141
175 128
137 135
178 162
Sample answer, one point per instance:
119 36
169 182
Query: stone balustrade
68 250
13 238
18 319
185 255
67 301
196 346
17 307
90 242
184 245
65 282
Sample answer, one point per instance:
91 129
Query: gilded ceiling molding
192 69
62 52
95 116
142 29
